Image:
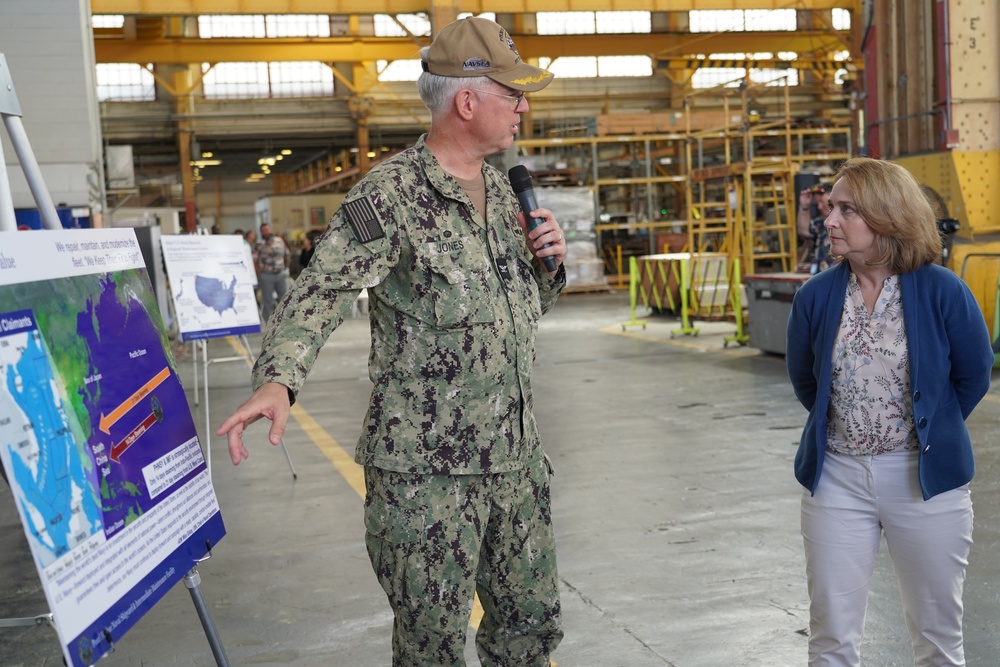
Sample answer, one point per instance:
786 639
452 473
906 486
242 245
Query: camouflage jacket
454 305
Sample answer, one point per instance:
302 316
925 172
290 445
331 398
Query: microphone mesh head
520 179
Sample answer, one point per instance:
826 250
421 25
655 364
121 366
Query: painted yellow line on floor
341 460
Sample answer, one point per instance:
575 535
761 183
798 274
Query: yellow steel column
218 198
360 108
184 107
443 12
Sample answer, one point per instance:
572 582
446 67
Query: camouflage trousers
434 540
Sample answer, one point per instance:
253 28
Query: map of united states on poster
216 294
211 281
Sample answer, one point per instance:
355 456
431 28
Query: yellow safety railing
633 294
736 301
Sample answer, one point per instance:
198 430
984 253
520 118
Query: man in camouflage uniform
457 484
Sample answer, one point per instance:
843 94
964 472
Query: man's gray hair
437 92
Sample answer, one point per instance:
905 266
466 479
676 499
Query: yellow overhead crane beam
197 7
111 46
815 63
280 49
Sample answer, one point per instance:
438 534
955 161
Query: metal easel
10 111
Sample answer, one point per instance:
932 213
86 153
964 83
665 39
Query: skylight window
124 82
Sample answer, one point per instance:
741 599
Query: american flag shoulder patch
363 220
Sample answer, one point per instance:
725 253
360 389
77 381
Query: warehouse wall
228 203
49 51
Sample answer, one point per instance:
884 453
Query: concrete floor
674 505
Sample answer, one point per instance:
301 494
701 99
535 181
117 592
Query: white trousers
858 499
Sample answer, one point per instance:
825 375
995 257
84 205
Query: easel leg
41 619
194 368
208 409
288 458
192 580
8 221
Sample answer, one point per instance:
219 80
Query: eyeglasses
515 98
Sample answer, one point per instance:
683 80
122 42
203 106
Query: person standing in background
271 257
306 254
889 353
814 250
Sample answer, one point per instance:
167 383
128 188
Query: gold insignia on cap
532 79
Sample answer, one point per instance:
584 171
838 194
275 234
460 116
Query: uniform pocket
389 522
461 290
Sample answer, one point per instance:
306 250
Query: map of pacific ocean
89 395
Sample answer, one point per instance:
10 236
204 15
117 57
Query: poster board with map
211 282
96 436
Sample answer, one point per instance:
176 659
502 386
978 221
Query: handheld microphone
520 181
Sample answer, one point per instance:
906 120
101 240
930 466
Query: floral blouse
870 409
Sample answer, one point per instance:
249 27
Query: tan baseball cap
476 46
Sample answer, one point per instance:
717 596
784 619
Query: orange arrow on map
129 403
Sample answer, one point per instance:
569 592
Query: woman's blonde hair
889 199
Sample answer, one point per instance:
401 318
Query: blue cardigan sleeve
800 354
969 349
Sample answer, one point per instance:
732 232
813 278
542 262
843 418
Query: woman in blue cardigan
889 353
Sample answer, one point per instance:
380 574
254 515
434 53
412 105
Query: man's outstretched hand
271 401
